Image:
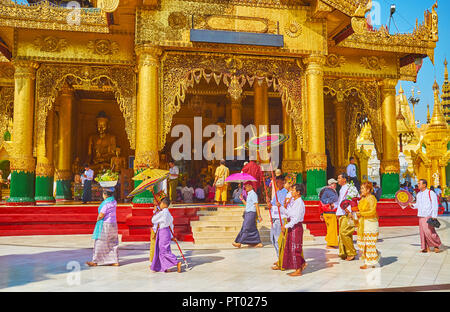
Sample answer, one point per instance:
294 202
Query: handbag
434 222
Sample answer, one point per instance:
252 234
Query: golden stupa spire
438 118
428 114
446 70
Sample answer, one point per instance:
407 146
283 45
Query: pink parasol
240 177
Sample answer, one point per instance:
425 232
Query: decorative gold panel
181 71
120 79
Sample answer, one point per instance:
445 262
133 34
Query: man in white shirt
351 172
347 250
427 208
86 180
173 181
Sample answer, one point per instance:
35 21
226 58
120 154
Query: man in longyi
328 205
347 250
222 172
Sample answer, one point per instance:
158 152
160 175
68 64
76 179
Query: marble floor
56 263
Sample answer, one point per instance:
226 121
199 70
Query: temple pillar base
44 189
315 179
22 188
63 190
390 184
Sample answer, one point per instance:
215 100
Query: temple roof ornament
420 42
46 15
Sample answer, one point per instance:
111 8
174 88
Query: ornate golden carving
183 70
237 23
25 69
389 166
178 20
293 29
292 166
316 161
147 159
121 79
334 60
108 5
50 44
148 55
45 15
44 169
363 99
373 63
103 46
22 163
6 72
6 110
63 175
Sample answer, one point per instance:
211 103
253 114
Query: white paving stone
40 263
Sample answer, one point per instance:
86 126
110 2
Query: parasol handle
265 188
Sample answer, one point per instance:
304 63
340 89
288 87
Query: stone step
224 223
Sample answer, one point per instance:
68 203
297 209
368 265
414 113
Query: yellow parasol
151 177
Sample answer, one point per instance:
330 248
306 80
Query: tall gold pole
22 161
390 167
147 126
64 168
44 167
261 105
236 119
340 136
316 162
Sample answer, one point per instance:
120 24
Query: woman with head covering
106 233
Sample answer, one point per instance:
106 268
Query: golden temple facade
77 82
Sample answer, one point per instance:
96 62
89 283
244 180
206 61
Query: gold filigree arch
181 71
120 79
368 93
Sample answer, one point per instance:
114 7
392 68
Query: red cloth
253 169
325 208
293 251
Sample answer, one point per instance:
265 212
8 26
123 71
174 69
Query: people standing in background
351 172
173 181
86 180
328 204
253 169
377 191
427 208
222 172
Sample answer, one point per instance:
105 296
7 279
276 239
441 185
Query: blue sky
405 18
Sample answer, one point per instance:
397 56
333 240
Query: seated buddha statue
118 162
102 145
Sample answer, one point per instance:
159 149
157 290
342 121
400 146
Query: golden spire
438 118
446 70
428 113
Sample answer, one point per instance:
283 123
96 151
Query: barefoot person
327 206
163 258
427 208
368 226
275 230
293 250
105 233
249 232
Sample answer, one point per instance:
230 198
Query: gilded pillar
261 105
316 161
292 157
44 167
64 168
390 167
147 126
22 161
340 136
236 120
